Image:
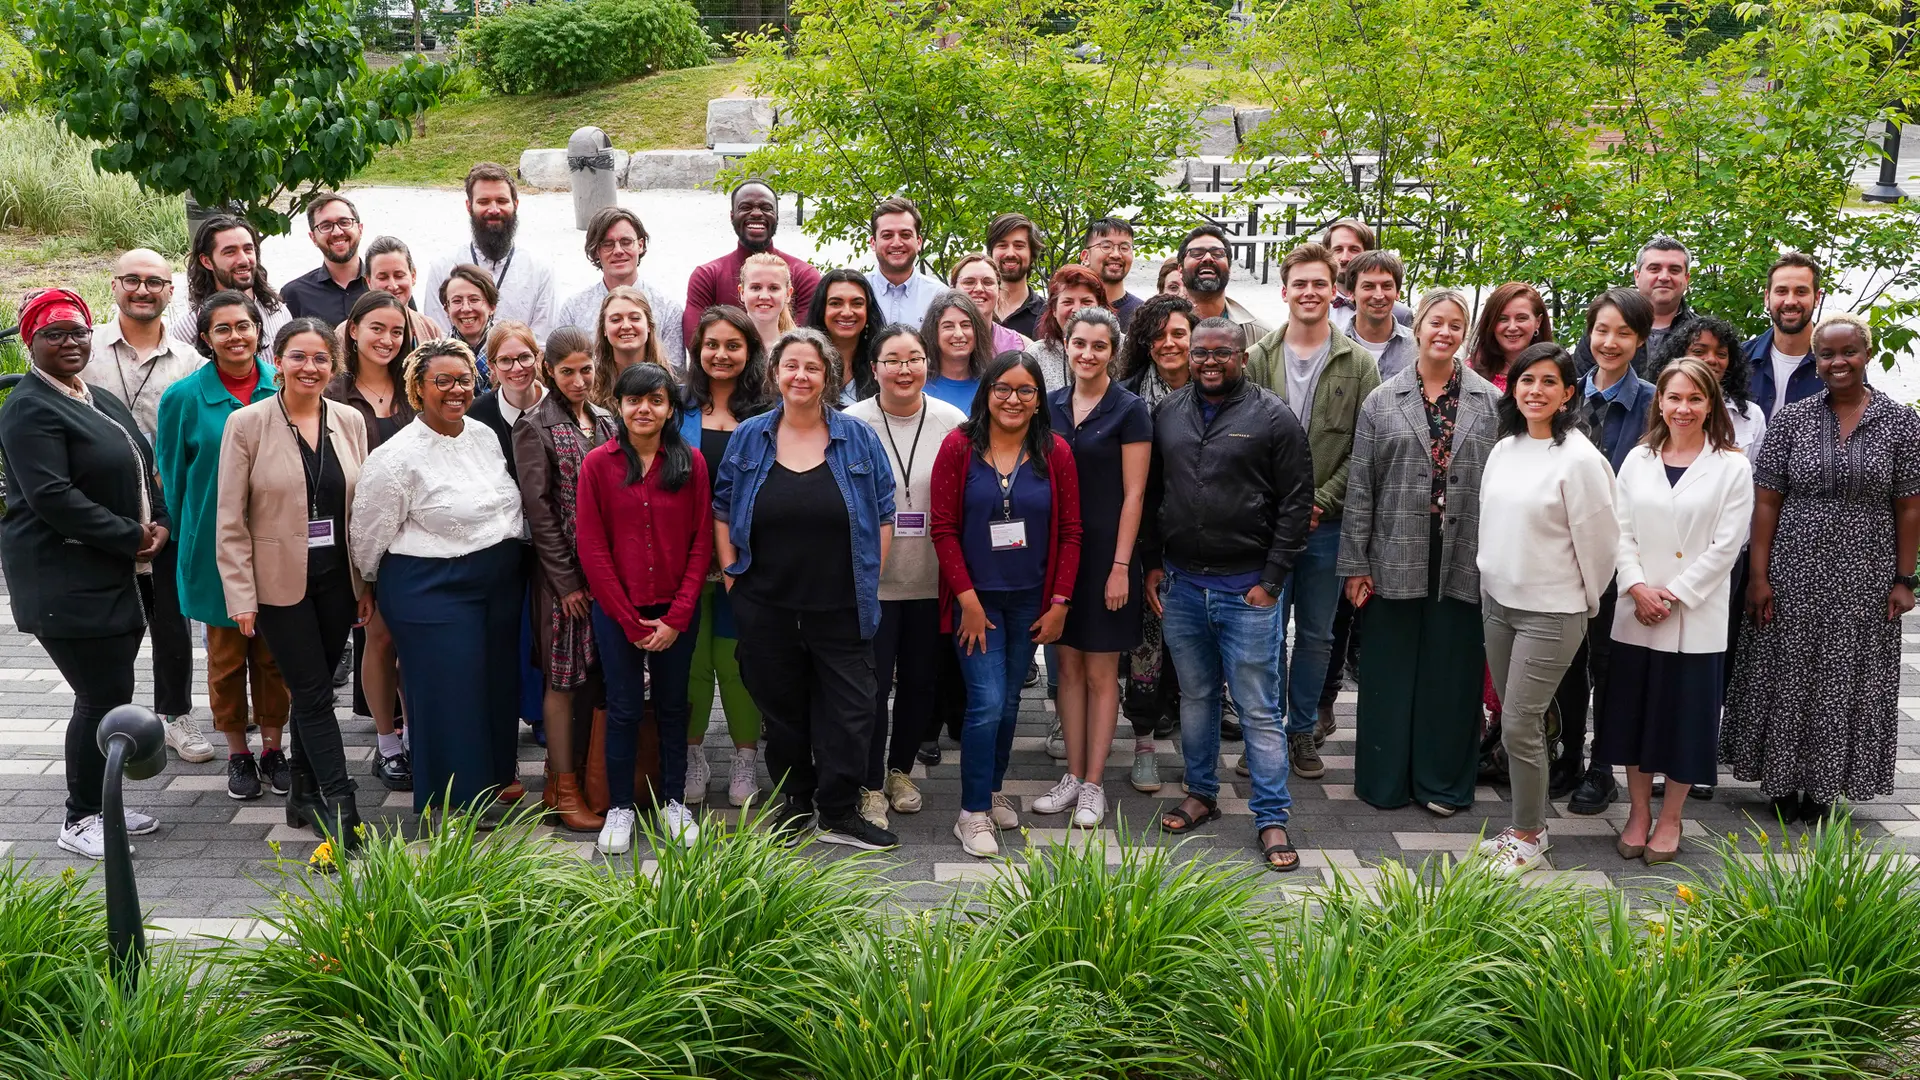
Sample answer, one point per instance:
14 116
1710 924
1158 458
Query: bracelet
1117 562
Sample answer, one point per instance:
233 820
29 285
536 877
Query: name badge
320 533
910 523
1007 535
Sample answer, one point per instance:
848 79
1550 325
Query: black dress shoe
1596 792
1167 726
1703 792
929 753
396 772
1563 778
1786 808
1814 813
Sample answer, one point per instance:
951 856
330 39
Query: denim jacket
859 466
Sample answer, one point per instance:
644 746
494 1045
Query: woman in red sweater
1006 529
645 533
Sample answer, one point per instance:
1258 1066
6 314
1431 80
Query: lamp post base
1883 193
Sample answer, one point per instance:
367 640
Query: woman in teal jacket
193 414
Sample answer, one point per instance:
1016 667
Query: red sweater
642 545
1063 525
718 282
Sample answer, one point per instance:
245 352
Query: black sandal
1188 822
1283 848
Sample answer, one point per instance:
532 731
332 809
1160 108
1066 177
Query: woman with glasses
517 386
288 468
974 277
437 538
1006 526
469 297
959 346
193 414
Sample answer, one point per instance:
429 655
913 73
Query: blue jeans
1212 635
1312 596
625 667
993 679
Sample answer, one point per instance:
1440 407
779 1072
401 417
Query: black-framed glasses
514 360
444 382
1003 392
135 282
81 336
1201 356
1206 253
897 365
337 226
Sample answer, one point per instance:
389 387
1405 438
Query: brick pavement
207 868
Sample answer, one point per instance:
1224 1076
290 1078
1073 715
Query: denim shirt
858 463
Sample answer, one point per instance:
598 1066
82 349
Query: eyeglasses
1206 253
327 228
513 361
444 383
65 337
298 359
223 331
1201 356
900 365
1003 392
625 243
1110 247
134 283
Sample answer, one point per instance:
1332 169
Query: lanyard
319 456
906 466
1007 481
499 279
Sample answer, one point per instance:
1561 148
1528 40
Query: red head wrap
52 306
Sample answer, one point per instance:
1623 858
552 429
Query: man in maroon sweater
756 217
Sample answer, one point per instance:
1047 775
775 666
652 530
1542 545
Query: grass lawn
658 112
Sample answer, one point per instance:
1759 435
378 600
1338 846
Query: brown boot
572 807
549 794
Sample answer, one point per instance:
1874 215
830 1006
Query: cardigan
641 545
260 534
1702 521
192 422
1063 524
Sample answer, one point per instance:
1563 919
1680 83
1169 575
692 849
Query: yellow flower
1686 894
322 857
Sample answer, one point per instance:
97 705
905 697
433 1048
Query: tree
246 102
975 107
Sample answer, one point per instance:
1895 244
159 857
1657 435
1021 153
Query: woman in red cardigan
644 525
1006 529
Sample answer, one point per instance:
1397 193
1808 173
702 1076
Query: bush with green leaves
52 930
49 186
568 45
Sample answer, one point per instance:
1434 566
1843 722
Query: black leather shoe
1813 813
304 805
1563 778
395 772
1703 792
1786 808
929 753
340 822
1597 790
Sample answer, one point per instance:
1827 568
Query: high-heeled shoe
1655 856
1629 851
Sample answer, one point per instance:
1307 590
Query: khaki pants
1528 653
233 661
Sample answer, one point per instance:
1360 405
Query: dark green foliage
558 47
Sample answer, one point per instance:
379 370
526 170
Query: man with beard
1661 275
1012 240
524 279
903 290
1781 360
225 255
1229 494
1206 264
328 291
1107 250
616 242
1375 279
136 357
1348 239
755 210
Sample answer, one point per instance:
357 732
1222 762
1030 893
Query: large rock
1245 120
1216 131
739 120
671 169
548 169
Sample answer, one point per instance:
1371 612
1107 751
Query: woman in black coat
84 517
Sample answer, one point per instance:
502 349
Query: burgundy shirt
718 282
642 545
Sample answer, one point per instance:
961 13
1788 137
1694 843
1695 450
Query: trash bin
590 168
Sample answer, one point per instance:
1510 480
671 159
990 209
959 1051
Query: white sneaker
616 836
1511 855
976 835
679 822
1002 813
743 780
699 775
902 794
189 743
1064 796
1057 741
86 837
873 807
139 824
1092 809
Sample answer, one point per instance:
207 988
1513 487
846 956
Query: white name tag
910 523
1007 535
320 533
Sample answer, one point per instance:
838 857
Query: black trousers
1586 677
811 673
949 696
306 639
100 670
1346 648
906 659
172 643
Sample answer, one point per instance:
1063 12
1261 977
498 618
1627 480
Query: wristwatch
1272 588
1911 581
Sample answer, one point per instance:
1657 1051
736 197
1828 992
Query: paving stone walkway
209 866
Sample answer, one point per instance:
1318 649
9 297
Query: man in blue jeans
1323 375
1229 495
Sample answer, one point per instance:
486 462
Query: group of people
854 505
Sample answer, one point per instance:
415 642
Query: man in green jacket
1323 376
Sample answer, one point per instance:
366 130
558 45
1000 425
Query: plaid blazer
1389 490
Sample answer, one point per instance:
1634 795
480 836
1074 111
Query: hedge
560 47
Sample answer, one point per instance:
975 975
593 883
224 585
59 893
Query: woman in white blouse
437 527
1684 501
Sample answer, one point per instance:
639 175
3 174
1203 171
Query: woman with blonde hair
514 377
974 275
766 292
625 334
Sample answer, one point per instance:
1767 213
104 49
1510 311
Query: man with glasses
136 357
1206 264
1107 250
328 291
226 255
1229 495
523 279
754 208
616 242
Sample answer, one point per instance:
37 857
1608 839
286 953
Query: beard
755 247
1780 323
495 241
1191 279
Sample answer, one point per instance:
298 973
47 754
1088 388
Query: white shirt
912 571
432 496
1548 535
114 368
1783 369
907 302
583 308
183 318
1682 537
1748 427
524 279
512 414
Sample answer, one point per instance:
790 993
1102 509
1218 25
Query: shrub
52 936
48 185
556 48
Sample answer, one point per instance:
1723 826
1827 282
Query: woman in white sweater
1687 489
1548 538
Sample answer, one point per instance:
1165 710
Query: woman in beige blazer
288 468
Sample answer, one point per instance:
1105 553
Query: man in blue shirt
904 292
1781 360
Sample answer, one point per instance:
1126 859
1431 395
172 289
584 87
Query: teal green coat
193 415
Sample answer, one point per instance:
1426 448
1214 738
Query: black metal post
1888 189
135 745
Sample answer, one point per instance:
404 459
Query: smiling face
378 335
1683 405
896 244
335 231
1069 299
801 376
980 284
1216 360
446 389
846 310
1012 400
1345 245
1110 256
756 216
723 352
1662 278
492 207
1308 290
1710 351
234 335
1013 256
1613 342
573 375
1840 355
1540 392
1171 347
142 285
390 271
620 251
1441 332
467 309
626 325
61 348
765 292
304 366
645 416
1792 298
1375 292
1089 351
902 367
516 364
955 335
1517 326
234 255
1203 267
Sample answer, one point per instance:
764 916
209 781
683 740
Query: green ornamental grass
52 935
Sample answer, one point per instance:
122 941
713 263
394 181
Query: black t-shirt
713 448
326 500
803 547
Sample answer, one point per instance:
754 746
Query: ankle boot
339 821
549 794
571 805
305 809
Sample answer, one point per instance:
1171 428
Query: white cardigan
1682 537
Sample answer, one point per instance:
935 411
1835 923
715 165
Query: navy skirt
1663 713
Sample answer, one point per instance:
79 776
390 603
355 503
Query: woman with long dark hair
959 347
845 309
645 539
1006 527
1717 344
1513 318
